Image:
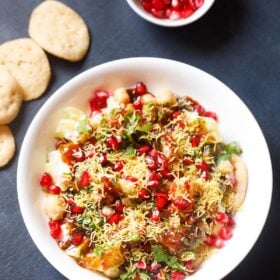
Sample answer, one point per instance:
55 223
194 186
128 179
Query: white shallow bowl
138 9
235 121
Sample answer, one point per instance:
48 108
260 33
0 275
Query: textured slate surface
237 41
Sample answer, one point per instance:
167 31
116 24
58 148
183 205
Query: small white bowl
138 9
235 123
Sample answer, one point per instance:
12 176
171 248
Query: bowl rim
79 79
168 22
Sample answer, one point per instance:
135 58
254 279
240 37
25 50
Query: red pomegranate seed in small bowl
170 13
55 229
140 89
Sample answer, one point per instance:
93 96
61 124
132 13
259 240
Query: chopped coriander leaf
130 151
98 250
84 127
233 148
144 276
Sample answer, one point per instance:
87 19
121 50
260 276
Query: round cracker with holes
28 63
7 145
11 95
59 30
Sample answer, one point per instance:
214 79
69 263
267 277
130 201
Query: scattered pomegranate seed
137 104
143 149
154 266
115 218
46 180
77 239
181 124
181 203
162 161
231 222
55 229
206 175
187 160
147 5
203 166
225 233
140 89
112 143
144 194
155 216
195 140
94 107
189 265
154 176
54 189
107 211
103 159
151 163
164 173
101 97
199 109
131 179
85 179
211 115
186 12
118 166
119 206
153 153
217 242
176 275
161 202
222 217
58 143
141 265
176 114
153 184
75 209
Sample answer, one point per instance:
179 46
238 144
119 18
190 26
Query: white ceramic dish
138 9
236 123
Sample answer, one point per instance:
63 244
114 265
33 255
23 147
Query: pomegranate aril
158 4
181 203
85 179
225 233
206 175
155 216
199 109
137 104
141 265
140 89
112 143
147 5
176 114
176 275
231 222
158 13
55 229
151 163
143 149
187 160
101 97
154 176
54 189
222 218
131 179
161 194
115 218
77 209
119 206
153 184
161 202
77 239
162 161
153 153
155 266
103 159
174 15
199 3
186 12
217 242
143 194
195 140
165 173
211 115
46 180
94 107
203 166
118 166
189 265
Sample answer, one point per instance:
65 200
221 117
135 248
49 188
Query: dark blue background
238 41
